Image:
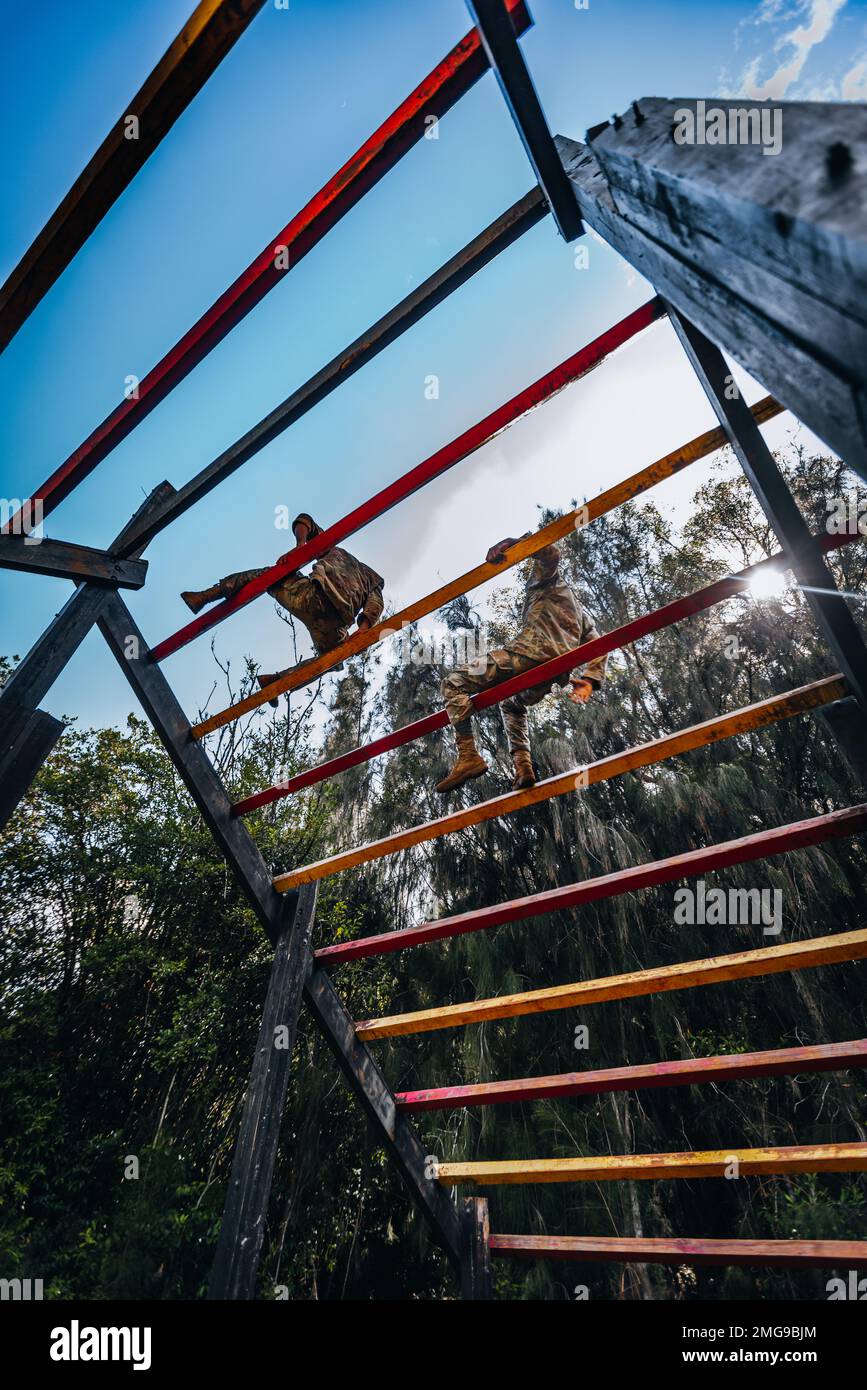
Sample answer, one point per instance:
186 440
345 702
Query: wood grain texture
774 1254
745 720
684 1071
764 844
708 1163
739 965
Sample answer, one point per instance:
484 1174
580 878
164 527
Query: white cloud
813 21
854 84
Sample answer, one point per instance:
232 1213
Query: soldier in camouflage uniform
552 622
340 591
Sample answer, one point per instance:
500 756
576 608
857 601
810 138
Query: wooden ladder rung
709 1163
778 1254
764 960
689 1071
740 721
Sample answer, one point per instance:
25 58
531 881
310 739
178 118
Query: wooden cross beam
685 1071
773 1254
63 560
757 716
709 1163
692 974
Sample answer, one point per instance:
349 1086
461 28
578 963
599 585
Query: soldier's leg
458 688
306 602
517 726
196 599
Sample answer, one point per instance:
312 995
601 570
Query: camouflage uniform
552 622
339 590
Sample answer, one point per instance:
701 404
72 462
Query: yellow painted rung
711 1163
764 960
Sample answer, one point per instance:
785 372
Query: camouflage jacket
553 619
351 587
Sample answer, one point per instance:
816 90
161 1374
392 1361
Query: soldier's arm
372 610
592 673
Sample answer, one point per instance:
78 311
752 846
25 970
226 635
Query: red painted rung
439 91
780 1254
689 1071
798 835
610 641
563 375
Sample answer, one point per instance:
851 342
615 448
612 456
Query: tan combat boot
524 774
195 599
468 765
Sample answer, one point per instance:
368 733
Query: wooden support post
240 1244
26 739
845 719
192 763
397 1136
32 679
393 1131
505 57
766 255
476 1283
829 608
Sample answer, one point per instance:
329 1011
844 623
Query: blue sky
299 93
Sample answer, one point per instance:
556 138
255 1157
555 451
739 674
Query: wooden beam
752 717
563 526
33 677
526 213
692 974
26 739
520 96
63 560
209 34
765 255
476 1283
830 610
391 1130
434 96
242 1230
685 1071
709 1163
438 463
773 1254
765 843
195 769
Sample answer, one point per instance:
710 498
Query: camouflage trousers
460 685
304 599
